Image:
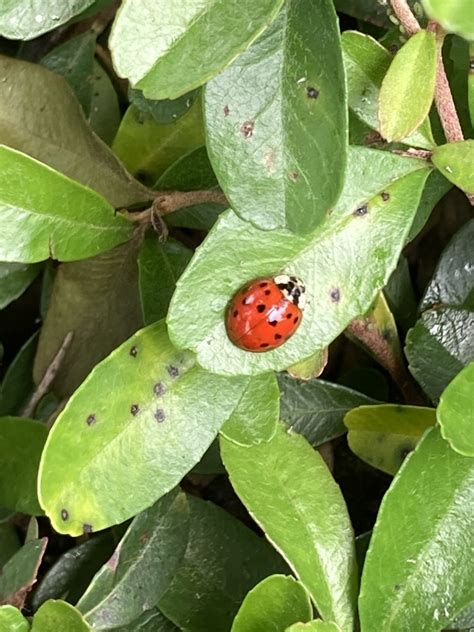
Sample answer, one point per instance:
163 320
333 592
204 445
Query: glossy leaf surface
455 161
19 573
455 412
24 19
14 279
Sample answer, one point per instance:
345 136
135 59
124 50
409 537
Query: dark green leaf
368 10
235 252
32 101
304 516
168 57
98 300
18 383
160 265
24 19
21 444
150 621
11 620
19 573
9 542
439 346
145 413
165 111
316 408
454 16
279 145
455 412
436 187
14 279
400 295
423 533
455 161
191 171
274 603
58 615
223 561
104 117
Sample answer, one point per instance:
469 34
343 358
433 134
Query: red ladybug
265 313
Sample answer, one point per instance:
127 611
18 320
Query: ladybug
265 313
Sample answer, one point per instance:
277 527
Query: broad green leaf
19 573
24 19
311 367
278 144
141 567
9 542
167 55
21 444
32 101
367 10
74 60
455 412
58 615
366 63
439 346
423 534
316 408
98 300
256 416
150 621
148 148
407 90
11 620
274 603
45 214
454 16
104 117
14 279
341 280
71 574
436 187
223 561
159 265
165 111
191 171
453 280
400 295
146 412
383 435
302 512
455 161
318 625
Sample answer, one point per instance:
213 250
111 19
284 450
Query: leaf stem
167 202
402 10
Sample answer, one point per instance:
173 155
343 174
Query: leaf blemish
91 420
159 389
335 295
87 528
226 110
134 409
160 415
361 211
172 370
293 175
313 93
385 196
405 451
246 129
134 352
64 514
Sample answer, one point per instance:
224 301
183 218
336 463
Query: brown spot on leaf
87 528
385 196
134 409
134 352
173 371
335 295
160 415
159 389
64 514
246 129
91 420
226 110
313 93
293 175
361 211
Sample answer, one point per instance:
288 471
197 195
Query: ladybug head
292 289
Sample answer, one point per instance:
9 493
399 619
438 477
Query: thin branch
48 378
402 10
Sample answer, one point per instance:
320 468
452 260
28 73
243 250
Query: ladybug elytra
265 313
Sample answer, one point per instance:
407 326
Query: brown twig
47 379
402 10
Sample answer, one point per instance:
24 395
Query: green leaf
316 624
141 567
439 346
366 10
223 561
453 280
160 265
455 412
454 16
400 295
436 187
14 279
147 412
98 300
423 532
9 542
311 367
104 117
21 444
339 288
256 416
177 56
470 87
366 63
19 573
274 603
455 160
32 101
316 408
279 146
384 435
24 19
165 111
45 214
11 620
304 516
58 615
148 148
74 60
408 87
150 621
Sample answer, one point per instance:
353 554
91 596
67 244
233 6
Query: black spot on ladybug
264 344
64 514
385 196
289 315
361 211
268 292
134 352
313 93
134 409
264 284
87 528
226 110
335 295
295 319
159 389
290 285
278 337
293 175
246 129
173 371
273 323
261 308
236 313
160 415
90 420
281 286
